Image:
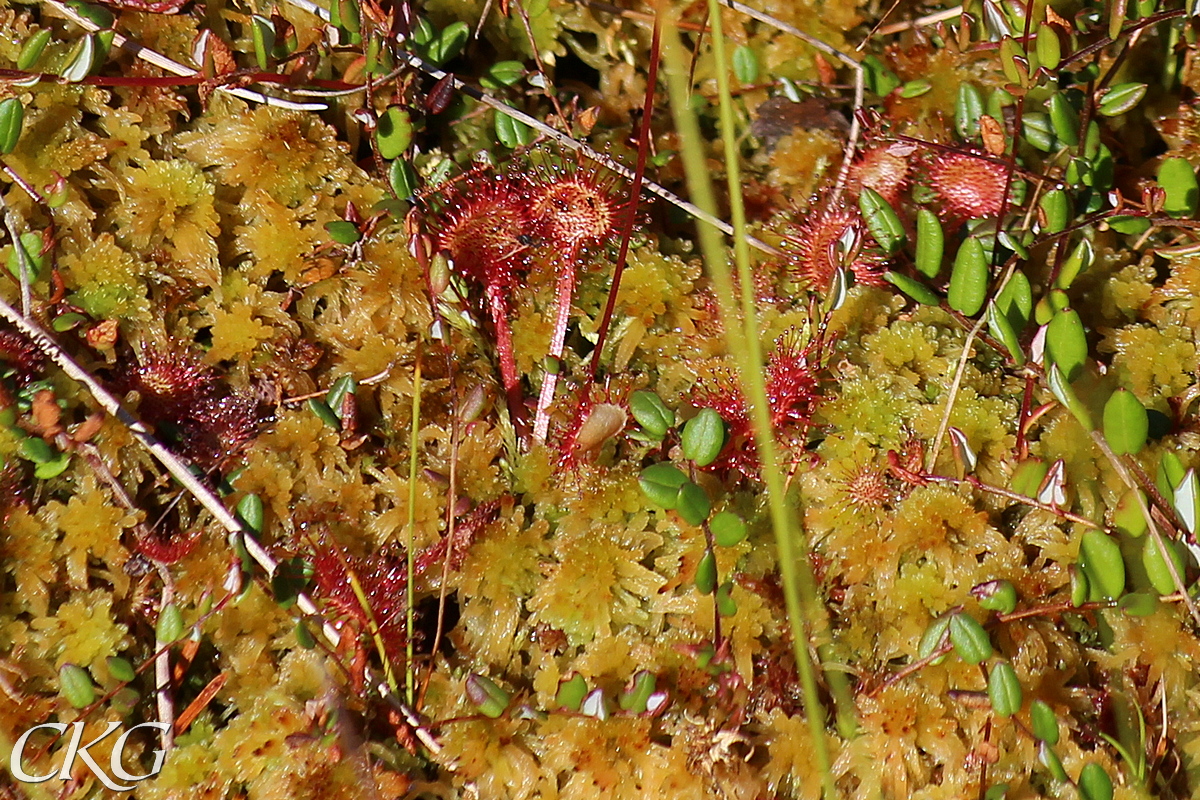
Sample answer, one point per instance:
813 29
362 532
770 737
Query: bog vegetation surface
575 399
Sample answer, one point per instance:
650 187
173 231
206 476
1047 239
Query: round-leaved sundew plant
829 237
483 223
573 208
968 185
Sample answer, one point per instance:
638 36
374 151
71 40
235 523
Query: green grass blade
745 347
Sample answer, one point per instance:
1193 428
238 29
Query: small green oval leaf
1002 330
170 626
879 80
1126 424
651 413
745 64
1064 119
485 695
304 636
1094 783
1048 47
1051 762
512 133
970 640
726 605
343 232
449 43
1055 206
250 512
36 449
1138 604
1004 689
33 48
1043 722
35 261
263 32
660 483
703 437
1066 343
1015 300
930 243
913 288
1121 98
503 73
935 637
97 15
76 686
324 413
1156 566
571 692
968 108
1127 516
1078 261
969 279
1170 474
1036 128
393 133
706 573
120 669
692 503
1178 179
1101 560
637 693
1080 585
1028 476
52 468
882 220
12 118
728 529
403 179
999 596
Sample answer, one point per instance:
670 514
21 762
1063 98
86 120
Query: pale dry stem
203 495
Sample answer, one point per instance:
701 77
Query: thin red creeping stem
635 192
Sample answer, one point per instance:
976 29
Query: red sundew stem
566 290
635 192
498 307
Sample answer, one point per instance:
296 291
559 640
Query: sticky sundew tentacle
968 185
484 226
882 167
832 235
793 387
576 207
573 208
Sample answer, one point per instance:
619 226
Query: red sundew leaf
167 548
970 186
465 532
383 577
830 237
793 390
